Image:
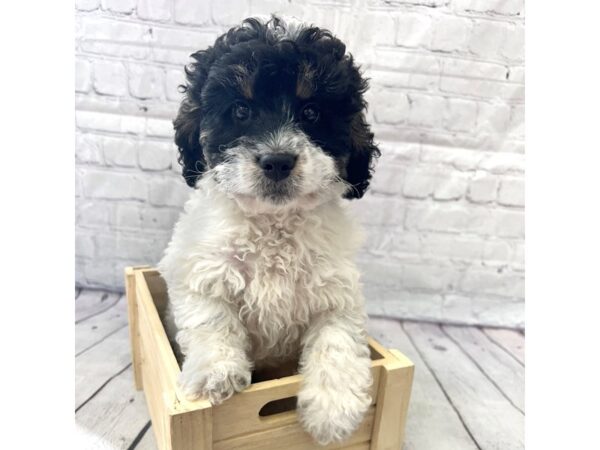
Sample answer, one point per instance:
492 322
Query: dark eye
310 113
241 112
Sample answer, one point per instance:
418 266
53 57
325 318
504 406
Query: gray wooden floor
467 393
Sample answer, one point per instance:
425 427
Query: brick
493 117
451 246
429 277
83 75
84 245
110 122
192 12
106 29
505 7
497 251
173 80
126 216
419 184
486 89
492 281
110 78
460 159
460 115
146 82
388 179
468 68
160 128
87 5
377 29
514 46
436 219
413 30
392 106
483 188
426 111
517 74
159 218
510 224
119 6
87 149
517 121
155 155
378 210
159 10
168 192
230 13
500 163
113 185
93 213
450 187
119 152
408 61
512 192
487 38
450 33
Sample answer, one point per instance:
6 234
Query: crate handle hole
278 406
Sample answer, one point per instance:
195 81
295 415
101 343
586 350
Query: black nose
277 166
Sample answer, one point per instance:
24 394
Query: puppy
272 136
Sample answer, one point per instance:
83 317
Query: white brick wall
444 217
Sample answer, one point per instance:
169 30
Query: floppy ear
187 139
359 167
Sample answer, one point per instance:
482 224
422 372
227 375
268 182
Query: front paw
216 382
331 415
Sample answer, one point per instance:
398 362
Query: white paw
217 382
331 415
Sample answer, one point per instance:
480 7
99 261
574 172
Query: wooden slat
92 302
510 340
98 327
491 419
293 437
97 365
114 417
432 424
239 414
507 374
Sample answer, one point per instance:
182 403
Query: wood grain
510 340
505 373
491 419
429 409
96 328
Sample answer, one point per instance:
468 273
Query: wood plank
492 421
97 365
510 340
114 417
91 302
432 423
505 372
147 442
91 331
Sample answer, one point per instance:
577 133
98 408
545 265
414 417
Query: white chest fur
276 271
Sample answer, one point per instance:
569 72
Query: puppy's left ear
359 167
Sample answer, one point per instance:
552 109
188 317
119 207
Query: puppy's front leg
215 345
336 366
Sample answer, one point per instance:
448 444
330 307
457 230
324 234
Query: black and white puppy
272 136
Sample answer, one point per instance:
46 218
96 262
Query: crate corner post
134 331
392 400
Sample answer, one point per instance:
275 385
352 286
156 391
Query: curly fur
261 272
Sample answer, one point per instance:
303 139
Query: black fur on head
261 76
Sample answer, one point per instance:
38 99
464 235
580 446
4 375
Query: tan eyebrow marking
305 81
244 80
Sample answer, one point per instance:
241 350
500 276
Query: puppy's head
275 114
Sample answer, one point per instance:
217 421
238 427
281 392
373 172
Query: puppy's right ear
187 139
187 122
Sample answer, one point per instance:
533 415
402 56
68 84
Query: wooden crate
180 424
